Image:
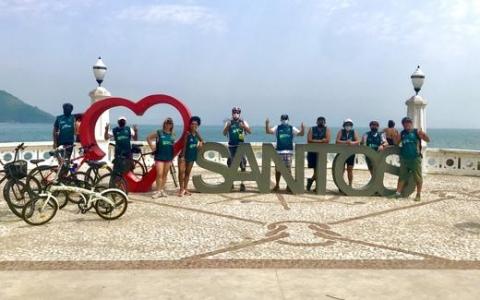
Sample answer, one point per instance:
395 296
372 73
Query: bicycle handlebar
20 147
60 149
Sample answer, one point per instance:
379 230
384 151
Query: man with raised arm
410 142
122 135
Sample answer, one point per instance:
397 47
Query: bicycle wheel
41 176
94 174
138 168
108 211
39 210
78 179
173 172
62 198
16 194
111 181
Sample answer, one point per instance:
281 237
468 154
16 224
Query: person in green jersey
188 155
64 130
122 135
410 142
64 134
161 142
375 140
348 136
236 129
284 134
319 134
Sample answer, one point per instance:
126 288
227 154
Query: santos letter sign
296 182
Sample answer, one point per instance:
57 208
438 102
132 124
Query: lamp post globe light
418 78
98 94
99 70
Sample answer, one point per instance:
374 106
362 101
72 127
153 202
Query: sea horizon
448 138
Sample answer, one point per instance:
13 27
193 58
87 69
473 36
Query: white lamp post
416 104
98 94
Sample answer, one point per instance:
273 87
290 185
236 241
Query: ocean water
441 138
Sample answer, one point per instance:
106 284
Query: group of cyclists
235 129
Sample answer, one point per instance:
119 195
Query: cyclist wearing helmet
64 129
236 129
319 134
348 136
410 156
375 140
188 155
284 135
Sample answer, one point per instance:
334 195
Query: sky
336 58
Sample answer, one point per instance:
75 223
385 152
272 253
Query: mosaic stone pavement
251 230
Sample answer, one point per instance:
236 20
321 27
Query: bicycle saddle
36 161
96 163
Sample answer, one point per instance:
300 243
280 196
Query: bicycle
15 192
42 175
140 168
109 204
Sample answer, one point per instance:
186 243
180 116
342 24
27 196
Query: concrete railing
436 161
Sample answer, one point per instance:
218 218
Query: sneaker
242 188
163 194
417 198
156 195
309 184
397 195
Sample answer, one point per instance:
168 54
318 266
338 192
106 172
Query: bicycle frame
92 195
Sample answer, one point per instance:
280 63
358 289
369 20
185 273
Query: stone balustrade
436 161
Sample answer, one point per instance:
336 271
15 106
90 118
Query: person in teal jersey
284 136
375 140
319 134
161 142
236 129
122 135
410 142
64 130
348 136
188 155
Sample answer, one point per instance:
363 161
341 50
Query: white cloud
194 15
40 7
449 25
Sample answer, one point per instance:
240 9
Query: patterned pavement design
251 230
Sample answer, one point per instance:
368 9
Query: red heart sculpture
90 117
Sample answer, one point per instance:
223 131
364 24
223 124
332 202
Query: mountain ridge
15 110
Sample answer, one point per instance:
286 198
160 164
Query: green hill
14 110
